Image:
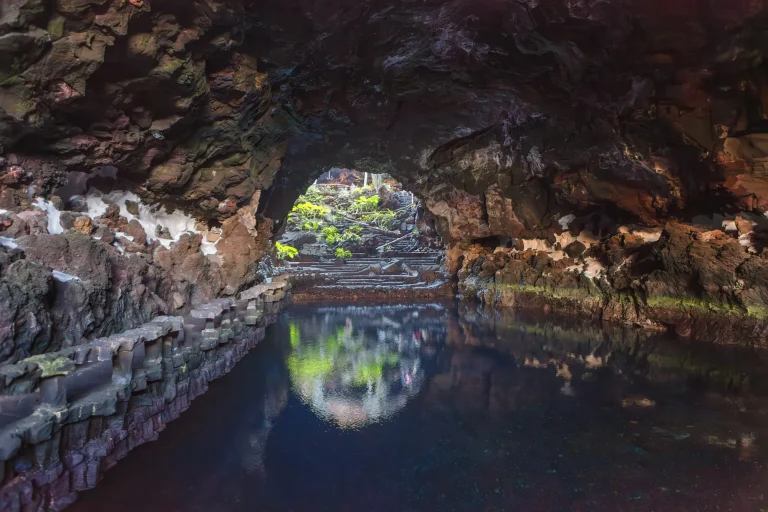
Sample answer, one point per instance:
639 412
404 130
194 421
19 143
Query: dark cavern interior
383 255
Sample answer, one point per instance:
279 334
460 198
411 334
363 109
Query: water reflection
352 369
424 408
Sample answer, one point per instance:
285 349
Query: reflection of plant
342 253
285 251
339 352
352 376
310 366
295 335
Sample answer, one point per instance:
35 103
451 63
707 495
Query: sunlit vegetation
307 211
332 236
380 219
317 209
285 251
310 225
365 204
342 253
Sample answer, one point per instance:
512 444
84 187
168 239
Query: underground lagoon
383 255
415 407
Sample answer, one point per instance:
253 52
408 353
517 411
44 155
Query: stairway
395 275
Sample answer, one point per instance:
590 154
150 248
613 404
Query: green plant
350 238
306 211
343 253
286 251
380 219
312 195
310 225
331 235
365 204
355 229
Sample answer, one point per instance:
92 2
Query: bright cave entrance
358 234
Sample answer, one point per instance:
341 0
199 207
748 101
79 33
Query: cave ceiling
503 115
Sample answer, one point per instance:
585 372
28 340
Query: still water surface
417 408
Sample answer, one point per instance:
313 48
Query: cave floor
416 407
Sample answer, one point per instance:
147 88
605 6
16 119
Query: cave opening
361 234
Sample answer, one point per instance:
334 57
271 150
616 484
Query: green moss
11 81
56 27
52 366
701 306
169 66
559 293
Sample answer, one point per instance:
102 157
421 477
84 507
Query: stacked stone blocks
66 417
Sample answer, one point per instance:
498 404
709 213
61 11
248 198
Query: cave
409 229
360 236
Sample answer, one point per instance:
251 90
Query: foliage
312 195
355 229
365 204
343 253
350 238
382 220
285 251
306 211
310 225
331 235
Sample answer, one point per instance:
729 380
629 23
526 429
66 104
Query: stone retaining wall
68 416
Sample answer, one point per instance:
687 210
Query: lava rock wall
519 123
68 416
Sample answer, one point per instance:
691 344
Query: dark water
415 408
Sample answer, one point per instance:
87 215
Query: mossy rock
56 27
52 366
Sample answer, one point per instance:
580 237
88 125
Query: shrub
312 195
365 204
285 251
380 219
350 238
343 253
331 235
303 212
310 225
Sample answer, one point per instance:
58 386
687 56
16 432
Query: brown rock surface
505 117
83 224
